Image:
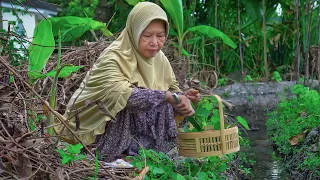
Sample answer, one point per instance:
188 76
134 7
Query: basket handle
223 138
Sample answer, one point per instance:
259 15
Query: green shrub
289 122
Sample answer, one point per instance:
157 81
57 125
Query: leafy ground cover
294 127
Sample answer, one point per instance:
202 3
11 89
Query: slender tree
240 41
297 51
216 60
266 69
318 58
306 57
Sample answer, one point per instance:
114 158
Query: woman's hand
193 95
184 107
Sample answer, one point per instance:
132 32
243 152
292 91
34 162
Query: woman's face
152 39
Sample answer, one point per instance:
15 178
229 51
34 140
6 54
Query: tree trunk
104 11
297 51
318 58
240 42
306 57
216 60
266 69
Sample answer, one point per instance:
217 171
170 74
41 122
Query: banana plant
65 29
175 9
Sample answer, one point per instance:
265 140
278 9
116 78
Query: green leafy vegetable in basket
207 116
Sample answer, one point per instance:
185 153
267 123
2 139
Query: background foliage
281 31
290 124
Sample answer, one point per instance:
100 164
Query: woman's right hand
184 107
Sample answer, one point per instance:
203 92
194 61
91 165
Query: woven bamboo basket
209 143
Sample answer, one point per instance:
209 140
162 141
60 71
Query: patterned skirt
146 121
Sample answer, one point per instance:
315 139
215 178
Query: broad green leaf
248 78
201 112
213 176
72 27
222 167
180 177
74 149
65 71
79 157
174 9
96 25
36 75
32 124
106 32
42 46
243 122
67 158
10 77
195 123
193 40
40 117
211 33
176 176
216 125
132 2
254 9
215 118
184 52
208 106
203 175
157 170
74 33
67 22
172 32
61 153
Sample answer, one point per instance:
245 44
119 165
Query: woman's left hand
193 95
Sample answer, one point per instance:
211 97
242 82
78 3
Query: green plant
71 154
226 94
34 119
250 98
207 116
13 39
248 78
222 81
276 76
163 167
175 10
287 125
66 29
96 170
312 161
292 117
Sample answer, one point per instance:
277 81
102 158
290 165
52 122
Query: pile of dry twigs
30 154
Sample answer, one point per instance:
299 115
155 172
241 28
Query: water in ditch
268 165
